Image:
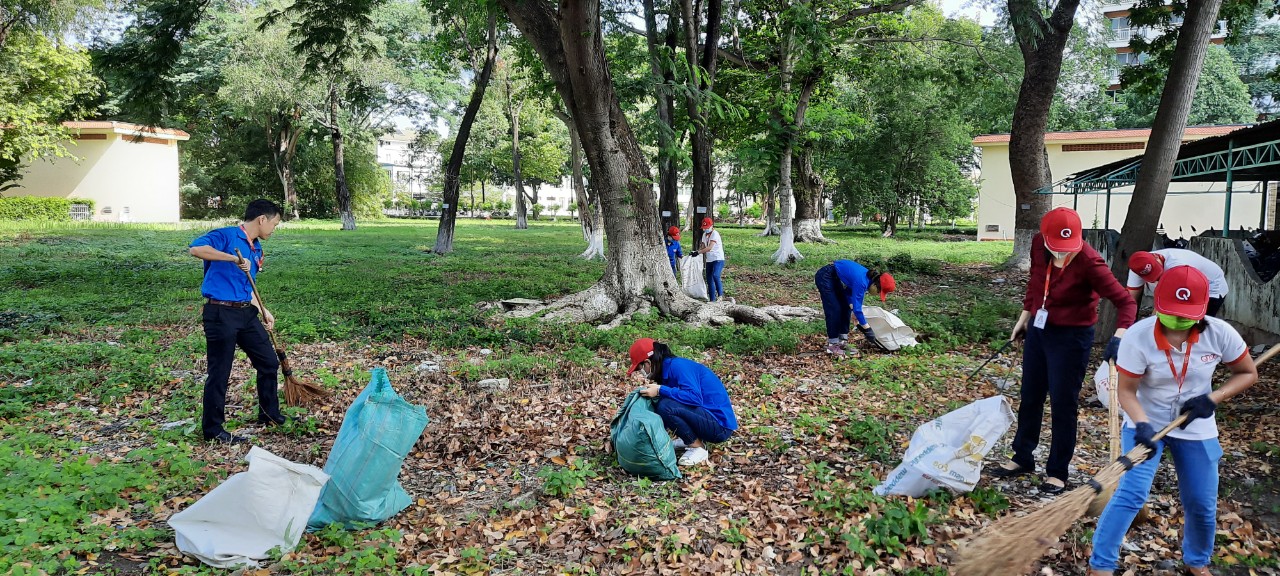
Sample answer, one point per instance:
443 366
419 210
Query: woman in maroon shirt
1058 313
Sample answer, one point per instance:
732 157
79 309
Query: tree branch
878 9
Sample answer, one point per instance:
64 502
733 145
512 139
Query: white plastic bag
250 513
693 276
890 330
1102 385
948 452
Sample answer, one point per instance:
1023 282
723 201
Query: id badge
1042 317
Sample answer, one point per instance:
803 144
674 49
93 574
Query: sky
970 8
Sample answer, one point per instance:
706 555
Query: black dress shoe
270 421
225 437
1002 472
1052 489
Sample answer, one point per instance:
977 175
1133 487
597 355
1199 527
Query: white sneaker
694 455
678 444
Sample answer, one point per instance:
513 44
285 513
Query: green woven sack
641 441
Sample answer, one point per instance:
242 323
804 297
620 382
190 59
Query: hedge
39 208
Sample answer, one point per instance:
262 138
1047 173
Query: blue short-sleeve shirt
225 280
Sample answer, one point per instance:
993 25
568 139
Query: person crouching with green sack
1166 366
691 399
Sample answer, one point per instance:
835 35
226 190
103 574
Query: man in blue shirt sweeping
231 317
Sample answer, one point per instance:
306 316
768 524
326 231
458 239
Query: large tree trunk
1041 42
703 62
809 196
339 168
787 252
570 44
513 120
453 170
663 76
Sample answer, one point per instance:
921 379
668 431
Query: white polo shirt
1142 355
716 253
1174 257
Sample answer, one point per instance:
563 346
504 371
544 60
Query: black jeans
1054 362
691 423
1215 305
224 328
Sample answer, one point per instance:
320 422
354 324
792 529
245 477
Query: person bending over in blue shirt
691 399
842 285
231 317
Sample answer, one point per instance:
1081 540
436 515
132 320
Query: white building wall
128 180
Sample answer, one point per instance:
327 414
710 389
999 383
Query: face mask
1175 322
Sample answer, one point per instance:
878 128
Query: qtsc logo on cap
1145 270
1066 233
1183 294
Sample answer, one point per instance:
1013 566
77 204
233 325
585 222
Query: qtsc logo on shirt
1183 294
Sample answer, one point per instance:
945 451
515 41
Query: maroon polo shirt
1075 289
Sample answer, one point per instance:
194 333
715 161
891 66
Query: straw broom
1013 543
296 392
1113 427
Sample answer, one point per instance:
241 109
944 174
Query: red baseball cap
1183 291
706 223
1061 230
1146 265
640 351
887 285
674 232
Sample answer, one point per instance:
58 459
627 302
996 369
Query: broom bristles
1013 543
298 392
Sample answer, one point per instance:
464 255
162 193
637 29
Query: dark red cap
1183 291
1146 265
1061 230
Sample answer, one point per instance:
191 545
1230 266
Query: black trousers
1054 362
225 327
1215 305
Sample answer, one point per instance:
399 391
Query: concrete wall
128 181
1250 302
1204 211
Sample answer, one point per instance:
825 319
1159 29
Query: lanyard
1048 271
1186 359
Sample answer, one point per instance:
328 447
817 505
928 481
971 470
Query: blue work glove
1199 407
1113 350
1142 435
871 338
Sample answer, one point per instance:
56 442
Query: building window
1099 147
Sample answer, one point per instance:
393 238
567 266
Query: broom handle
989 359
271 334
1269 354
1113 409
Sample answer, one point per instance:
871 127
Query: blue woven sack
378 431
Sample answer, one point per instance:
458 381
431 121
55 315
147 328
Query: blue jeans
691 423
714 288
1054 361
835 303
1196 462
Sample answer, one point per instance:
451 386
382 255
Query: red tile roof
127 128
1122 134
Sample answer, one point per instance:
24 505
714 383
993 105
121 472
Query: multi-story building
410 168
1122 31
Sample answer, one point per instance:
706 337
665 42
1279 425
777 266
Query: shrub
38 208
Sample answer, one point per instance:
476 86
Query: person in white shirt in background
713 250
1145 268
1166 364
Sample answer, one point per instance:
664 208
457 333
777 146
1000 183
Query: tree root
810 231
594 305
